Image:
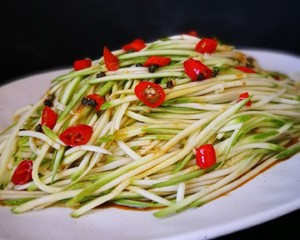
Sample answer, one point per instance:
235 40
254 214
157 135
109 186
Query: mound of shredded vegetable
165 125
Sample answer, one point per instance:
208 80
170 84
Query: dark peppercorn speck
152 68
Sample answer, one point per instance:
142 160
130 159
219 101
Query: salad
166 125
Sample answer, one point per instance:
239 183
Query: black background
44 35
38 36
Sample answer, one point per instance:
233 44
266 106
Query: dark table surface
37 36
281 228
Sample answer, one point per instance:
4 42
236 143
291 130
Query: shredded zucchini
141 156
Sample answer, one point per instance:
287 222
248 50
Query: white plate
272 194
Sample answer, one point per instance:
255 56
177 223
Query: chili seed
151 94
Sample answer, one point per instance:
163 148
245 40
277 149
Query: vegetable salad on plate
166 125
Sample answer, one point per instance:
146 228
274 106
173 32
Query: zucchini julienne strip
142 156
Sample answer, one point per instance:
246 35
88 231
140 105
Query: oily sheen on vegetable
165 125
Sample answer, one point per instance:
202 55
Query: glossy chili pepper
244 96
23 172
157 60
196 70
49 117
111 61
206 156
82 64
192 33
76 135
151 94
245 69
206 45
136 45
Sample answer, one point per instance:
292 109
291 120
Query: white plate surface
272 194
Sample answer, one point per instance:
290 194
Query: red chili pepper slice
276 77
206 156
76 135
49 117
245 69
244 96
23 173
99 100
192 33
136 45
151 94
82 64
111 61
196 70
157 60
206 45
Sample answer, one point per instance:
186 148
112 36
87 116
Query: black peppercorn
100 74
250 62
200 77
215 71
38 128
152 68
89 102
170 84
48 103
49 100
131 50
